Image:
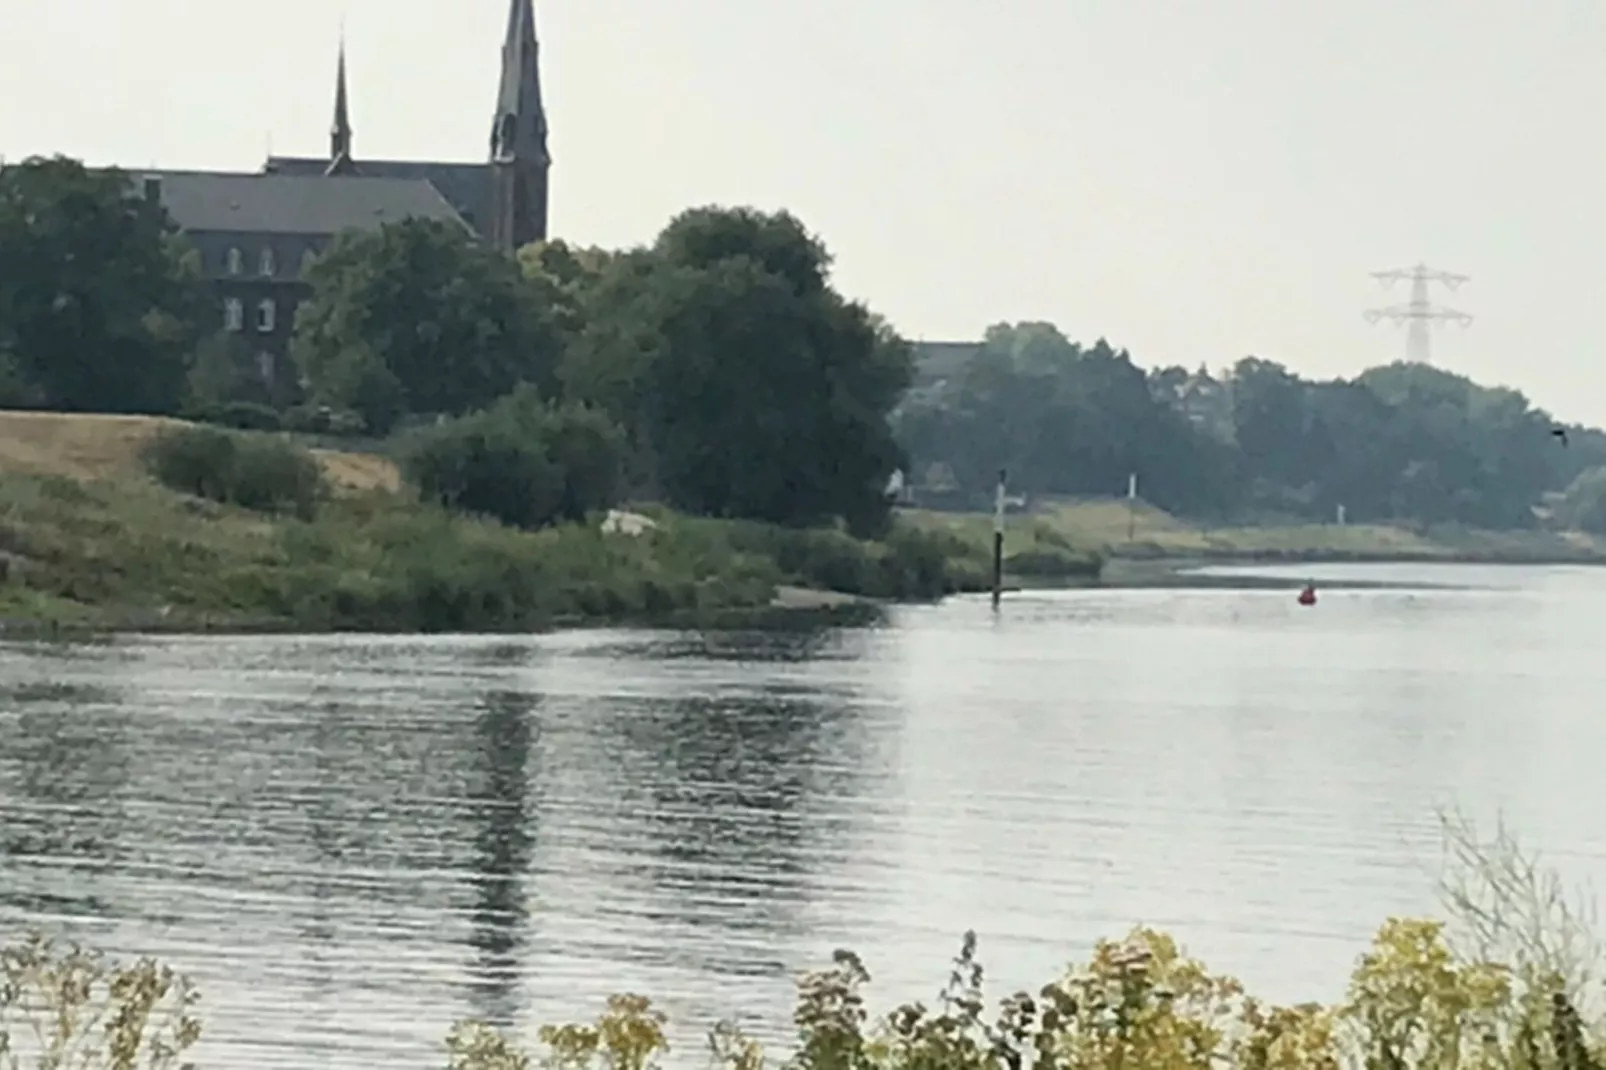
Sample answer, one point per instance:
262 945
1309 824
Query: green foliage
98 304
523 461
753 388
418 318
910 563
253 471
1401 442
63 1006
1065 420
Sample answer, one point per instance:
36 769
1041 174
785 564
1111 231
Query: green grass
127 553
1113 528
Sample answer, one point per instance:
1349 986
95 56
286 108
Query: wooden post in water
998 538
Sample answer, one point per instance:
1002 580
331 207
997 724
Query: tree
1065 420
524 461
417 318
757 390
99 301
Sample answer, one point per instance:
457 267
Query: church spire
340 161
519 156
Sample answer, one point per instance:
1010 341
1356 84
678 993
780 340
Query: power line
1419 314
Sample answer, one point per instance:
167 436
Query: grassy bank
89 539
1141 532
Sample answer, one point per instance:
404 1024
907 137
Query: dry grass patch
88 447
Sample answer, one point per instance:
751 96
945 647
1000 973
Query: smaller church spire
340 161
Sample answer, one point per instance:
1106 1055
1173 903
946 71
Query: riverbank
90 542
1138 540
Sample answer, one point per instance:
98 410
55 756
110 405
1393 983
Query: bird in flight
1561 433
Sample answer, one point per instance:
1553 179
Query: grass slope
88 538
97 447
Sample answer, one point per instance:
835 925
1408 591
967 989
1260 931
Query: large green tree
418 318
99 300
757 389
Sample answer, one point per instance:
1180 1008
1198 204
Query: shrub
911 564
63 1006
523 462
245 416
254 471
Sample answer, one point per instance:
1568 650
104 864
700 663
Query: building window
308 258
233 314
266 265
265 320
236 262
265 366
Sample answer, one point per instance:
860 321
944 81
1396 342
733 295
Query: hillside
88 538
91 447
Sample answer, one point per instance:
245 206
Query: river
349 842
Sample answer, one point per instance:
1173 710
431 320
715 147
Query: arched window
266 265
236 262
233 314
266 317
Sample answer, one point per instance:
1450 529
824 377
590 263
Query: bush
910 564
523 462
254 471
63 1006
245 416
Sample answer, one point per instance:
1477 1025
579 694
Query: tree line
718 370
1397 442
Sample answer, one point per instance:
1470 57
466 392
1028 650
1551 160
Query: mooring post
998 538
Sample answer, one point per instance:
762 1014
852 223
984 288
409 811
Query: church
256 233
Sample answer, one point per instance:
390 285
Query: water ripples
351 842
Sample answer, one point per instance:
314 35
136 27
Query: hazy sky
1195 179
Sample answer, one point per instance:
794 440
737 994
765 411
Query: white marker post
998 538
1131 506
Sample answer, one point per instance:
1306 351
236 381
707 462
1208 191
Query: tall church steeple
520 161
340 159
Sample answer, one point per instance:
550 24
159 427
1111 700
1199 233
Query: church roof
466 186
296 204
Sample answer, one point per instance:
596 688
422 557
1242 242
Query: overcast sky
1194 179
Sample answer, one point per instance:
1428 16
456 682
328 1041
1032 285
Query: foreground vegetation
1509 981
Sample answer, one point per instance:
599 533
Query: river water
351 842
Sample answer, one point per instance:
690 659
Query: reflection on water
352 842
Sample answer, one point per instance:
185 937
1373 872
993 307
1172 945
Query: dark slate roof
467 186
294 204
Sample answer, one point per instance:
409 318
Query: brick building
256 232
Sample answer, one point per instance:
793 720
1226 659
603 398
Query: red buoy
1307 597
